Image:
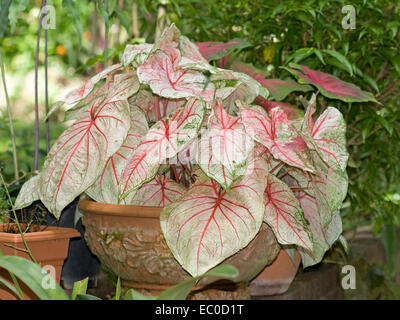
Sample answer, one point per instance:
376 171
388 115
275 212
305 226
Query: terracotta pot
128 240
49 247
277 277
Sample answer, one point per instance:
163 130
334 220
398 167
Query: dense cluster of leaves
165 128
310 32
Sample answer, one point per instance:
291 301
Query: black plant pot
80 263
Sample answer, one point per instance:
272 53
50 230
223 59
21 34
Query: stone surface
316 283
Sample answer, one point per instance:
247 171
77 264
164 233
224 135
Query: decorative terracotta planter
49 247
277 277
128 241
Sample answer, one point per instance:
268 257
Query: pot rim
110 209
50 233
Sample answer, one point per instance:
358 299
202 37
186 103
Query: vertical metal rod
46 89
36 163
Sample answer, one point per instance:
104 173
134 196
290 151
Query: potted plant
185 166
23 234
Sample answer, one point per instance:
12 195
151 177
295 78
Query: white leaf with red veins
169 42
77 157
81 93
191 56
277 135
136 53
28 193
105 189
166 79
328 186
164 140
229 141
322 237
284 215
329 135
213 168
159 192
208 225
125 85
223 150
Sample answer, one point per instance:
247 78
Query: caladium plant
216 148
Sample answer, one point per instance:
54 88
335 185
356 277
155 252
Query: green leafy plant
31 274
166 128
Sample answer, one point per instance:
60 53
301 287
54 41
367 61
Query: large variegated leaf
86 94
122 86
277 135
213 168
105 189
166 79
29 193
79 154
223 150
135 54
229 140
329 85
80 93
284 215
159 192
328 133
328 187
322 237
164 140
191 56
208 225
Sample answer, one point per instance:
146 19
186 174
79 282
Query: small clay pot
49 247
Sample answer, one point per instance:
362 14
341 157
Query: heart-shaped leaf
284 215
81 152
207 225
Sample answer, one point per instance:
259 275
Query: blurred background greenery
309 32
